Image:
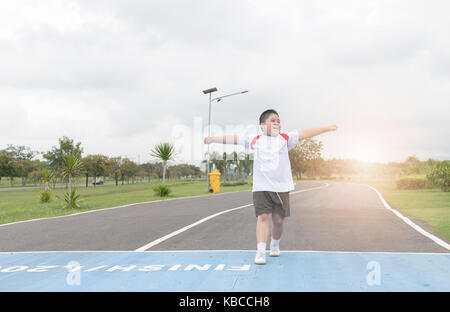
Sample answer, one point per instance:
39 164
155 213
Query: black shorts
269 202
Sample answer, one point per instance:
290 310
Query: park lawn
430 206
24 205
17 182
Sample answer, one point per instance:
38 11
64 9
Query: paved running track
341 234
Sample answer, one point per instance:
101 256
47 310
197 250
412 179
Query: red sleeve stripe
254 141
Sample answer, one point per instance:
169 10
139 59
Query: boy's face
271 126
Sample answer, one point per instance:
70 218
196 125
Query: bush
162 190
440 176
45 196
74 199
411 183
327 178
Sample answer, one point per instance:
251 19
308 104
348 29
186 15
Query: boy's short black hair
266 115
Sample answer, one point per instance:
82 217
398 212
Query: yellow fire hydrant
214 180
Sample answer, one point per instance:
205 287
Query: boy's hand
208 140
333 127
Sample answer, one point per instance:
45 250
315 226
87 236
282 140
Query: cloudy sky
121 76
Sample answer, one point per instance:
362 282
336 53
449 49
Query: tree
94 165
6 165
430 164
412 165
72 165
66 147
305 156
113 167
24 167
129 169
157 170
148 169
164 152
240 164
219 162
440 175
46 178
231 160
20 152
183 170
247 164
22 164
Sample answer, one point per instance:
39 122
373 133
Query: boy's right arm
226 139
312 132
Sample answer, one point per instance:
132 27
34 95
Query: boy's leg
277 230
280 211
262 234
262 228
277 226
263 210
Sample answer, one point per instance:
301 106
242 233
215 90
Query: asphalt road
339 217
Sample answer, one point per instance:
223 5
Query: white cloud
118 76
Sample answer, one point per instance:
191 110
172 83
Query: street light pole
209 134
211 90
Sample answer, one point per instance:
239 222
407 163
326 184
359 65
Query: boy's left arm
312 132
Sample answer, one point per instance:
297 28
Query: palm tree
240 163
217 161
165 152
72 166
247 164
47 177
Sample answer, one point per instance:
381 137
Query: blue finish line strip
223 271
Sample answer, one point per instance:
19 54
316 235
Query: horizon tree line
306 159
19 162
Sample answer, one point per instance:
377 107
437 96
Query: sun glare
367 153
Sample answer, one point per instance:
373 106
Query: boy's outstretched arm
226 139
309 133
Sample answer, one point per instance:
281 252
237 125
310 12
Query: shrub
74 200
45 196
440 175
411 183
162 190
327 178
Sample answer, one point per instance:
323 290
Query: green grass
430 206
17 182
25 205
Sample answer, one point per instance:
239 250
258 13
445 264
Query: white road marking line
123 206
226 250
162 239
310 189
410 223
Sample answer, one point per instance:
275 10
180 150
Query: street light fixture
218 99
221 97
209 90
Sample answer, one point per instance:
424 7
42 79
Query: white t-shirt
271 164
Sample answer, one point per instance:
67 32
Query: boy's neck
270 135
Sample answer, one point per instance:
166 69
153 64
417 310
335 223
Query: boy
272 176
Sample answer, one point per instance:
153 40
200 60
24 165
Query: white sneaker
274 251
260 257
